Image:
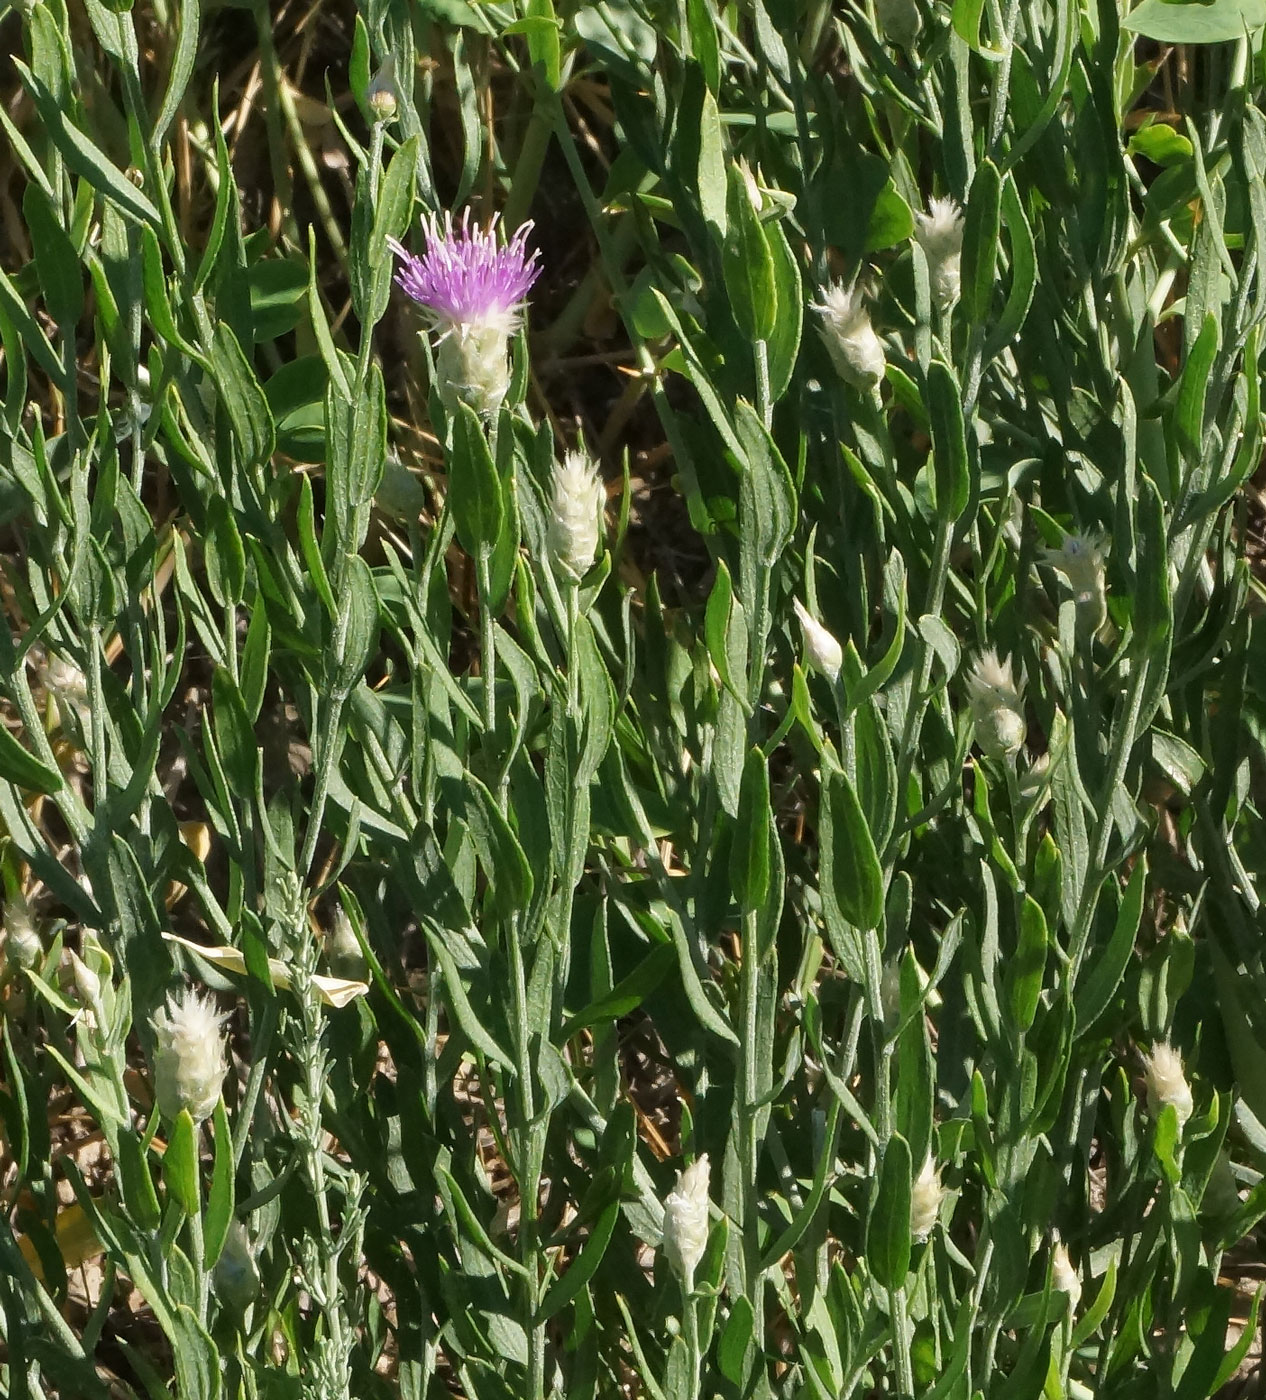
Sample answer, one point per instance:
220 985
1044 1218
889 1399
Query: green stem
487 644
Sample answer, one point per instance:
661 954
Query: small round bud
824 652
189 1064
236 1274
343 953
1166 1082
400 494
686 1221
899 21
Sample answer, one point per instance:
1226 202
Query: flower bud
940 235
824 652
343 953
23 946
1080 559
576 503
849 337
686 1221
400 494
899 21
86 985
1166 1082
1064 1275
236 1274
189 1064
65 682
996 706
925 1200
381 94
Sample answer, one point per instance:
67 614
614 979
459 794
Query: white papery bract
849 337
1166 1082
189 1063
686 1221
1064 1275
926 1196
575 523
343 953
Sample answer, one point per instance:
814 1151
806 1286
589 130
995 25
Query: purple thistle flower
464 280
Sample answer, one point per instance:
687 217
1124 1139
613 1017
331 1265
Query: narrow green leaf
749 851
1025 972
474 488
219 1214
850 871
980 243
950 462
747 264
888 1236
180 1164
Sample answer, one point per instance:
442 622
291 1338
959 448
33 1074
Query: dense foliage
781 922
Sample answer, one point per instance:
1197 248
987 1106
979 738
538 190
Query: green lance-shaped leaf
1152 618
1024 975
25 770
234 735
474 488
980 242
951 466
220 1197
1097 987
850 873
747 264
180 1164
356 628
749 851
61 277
888 1230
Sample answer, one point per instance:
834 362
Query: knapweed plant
632 699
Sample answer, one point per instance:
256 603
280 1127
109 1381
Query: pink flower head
464 280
